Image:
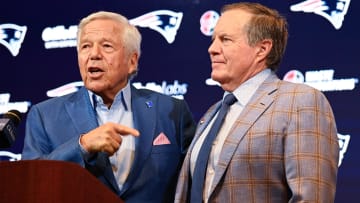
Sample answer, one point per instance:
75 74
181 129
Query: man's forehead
233 19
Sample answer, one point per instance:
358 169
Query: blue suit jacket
53 128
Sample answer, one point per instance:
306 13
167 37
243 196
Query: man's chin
216 78
96 88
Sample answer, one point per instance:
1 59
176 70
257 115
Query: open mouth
94 70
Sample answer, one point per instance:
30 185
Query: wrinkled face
103 61
233 60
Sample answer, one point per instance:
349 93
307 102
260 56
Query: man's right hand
106 138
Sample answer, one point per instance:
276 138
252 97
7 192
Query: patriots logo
165 22
343 145
11 36
65 89
333 10
9 156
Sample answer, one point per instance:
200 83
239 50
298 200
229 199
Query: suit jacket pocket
167 148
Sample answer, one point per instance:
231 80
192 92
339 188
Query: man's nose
213 48
95 52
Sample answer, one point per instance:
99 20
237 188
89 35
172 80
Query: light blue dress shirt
243 94
119 112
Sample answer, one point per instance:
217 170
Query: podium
49 181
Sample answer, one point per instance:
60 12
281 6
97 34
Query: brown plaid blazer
282 148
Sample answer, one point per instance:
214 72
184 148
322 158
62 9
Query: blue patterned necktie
199 174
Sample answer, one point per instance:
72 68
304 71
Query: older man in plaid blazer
278 142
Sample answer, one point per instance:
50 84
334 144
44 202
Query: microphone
8 124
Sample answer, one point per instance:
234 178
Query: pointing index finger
124 130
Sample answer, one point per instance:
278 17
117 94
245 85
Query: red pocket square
161 139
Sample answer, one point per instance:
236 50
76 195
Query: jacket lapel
144 115
203 123
184 176
261 101
85 120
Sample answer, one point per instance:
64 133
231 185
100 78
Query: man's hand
106 138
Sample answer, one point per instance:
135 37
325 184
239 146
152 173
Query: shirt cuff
87 156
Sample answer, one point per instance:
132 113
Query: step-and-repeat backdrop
38 58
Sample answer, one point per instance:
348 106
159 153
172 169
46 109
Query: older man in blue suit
132 140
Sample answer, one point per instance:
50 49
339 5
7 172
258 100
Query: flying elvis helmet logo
333 10
11 36
165 22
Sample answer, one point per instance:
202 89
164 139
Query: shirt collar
245 91
123 97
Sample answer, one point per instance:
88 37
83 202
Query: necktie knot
229 99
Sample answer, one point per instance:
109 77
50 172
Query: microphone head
14 116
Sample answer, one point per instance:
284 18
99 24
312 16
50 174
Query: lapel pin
149 104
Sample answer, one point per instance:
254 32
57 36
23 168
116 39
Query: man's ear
264 48
133 62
